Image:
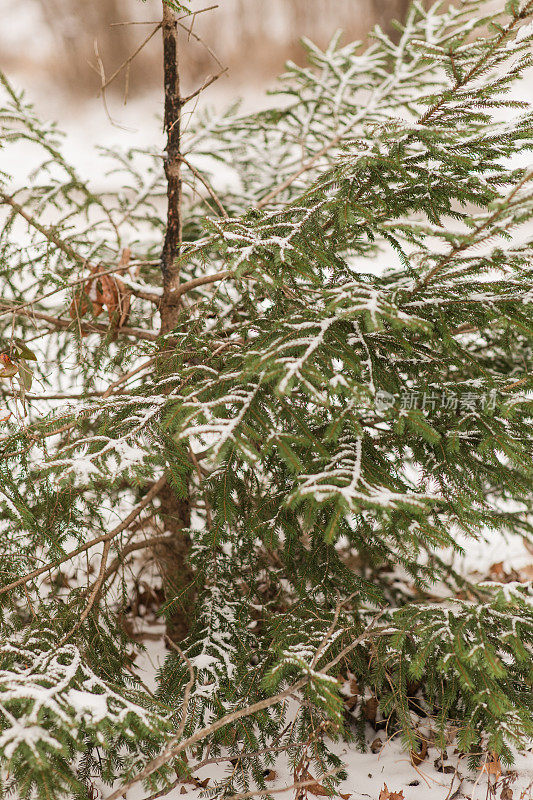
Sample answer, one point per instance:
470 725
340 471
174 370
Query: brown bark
173 236
172 557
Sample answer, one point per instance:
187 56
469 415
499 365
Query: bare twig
97 585
207 185
174 747
100 70
131 548
208 81
91 276
85 327
205 279
127 376
188 688
199 39
130 58
147 499
59 396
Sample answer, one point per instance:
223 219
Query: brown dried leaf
417 758
110 295
125 258
314 787
492 766
371 709
318 790
385 794
8 368
526 573
496 570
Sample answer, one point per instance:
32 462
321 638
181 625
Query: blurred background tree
67 30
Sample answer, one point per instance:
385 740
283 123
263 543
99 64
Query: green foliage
354 391
54 705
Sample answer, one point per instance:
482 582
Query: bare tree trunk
170 306
175 512
171 558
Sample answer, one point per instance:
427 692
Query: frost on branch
54 708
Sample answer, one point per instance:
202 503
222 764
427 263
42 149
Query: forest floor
386 771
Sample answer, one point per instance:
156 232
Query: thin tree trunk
170 307
175 512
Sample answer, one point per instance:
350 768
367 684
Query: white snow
88 704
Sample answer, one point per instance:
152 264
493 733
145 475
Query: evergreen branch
188 687
48 234
309 163
95 591
518 16
173 749
470 239
106 537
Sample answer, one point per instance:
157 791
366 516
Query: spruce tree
275 407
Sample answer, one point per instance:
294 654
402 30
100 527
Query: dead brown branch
208 81
147 499
84 327
174 747
127 62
